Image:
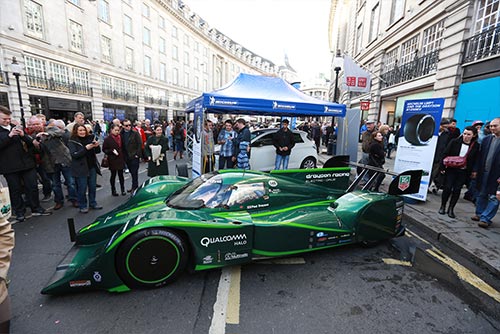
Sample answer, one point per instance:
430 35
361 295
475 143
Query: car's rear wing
405 183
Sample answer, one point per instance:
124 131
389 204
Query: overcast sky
271 28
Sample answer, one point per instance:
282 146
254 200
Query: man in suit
487 172
132 149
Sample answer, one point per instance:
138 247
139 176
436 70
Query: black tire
419 129
151 258
308 163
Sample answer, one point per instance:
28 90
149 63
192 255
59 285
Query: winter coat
132 147
82 159
284 138
17 153
116 162
491 185
154 168
243 136
376 156
55 148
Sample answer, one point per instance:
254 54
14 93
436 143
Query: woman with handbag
459 157
112 147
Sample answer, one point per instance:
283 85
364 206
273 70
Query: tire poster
418 137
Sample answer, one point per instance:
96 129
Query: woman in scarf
112 146
156 152
84 167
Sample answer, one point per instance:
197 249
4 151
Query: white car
263 153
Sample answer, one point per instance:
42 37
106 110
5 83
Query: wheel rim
153 260
308 164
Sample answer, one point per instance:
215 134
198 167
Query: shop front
112 111
58 108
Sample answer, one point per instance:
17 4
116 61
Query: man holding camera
18 166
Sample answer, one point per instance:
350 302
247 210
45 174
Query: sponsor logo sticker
272 183
239 239
208 259
97 276
404 182
235 256
80 283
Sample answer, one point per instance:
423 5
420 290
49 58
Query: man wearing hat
284 141
443 139
366 140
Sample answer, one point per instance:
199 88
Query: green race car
224 218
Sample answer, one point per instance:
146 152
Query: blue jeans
84 182
486 207
57 185
281 159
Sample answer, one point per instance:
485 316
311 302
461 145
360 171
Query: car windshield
205 191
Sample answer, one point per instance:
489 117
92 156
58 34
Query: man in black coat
442 142
284 141
132 149
18 167
487 172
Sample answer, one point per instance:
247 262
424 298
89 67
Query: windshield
205 191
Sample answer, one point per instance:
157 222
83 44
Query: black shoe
19 219
124 193
131 190
98 186
442 210
40 212
451 214
97 207
114 193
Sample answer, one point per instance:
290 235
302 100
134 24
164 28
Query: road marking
398 262
218 325
463 273
233 306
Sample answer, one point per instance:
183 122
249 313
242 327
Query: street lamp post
337 62
16 69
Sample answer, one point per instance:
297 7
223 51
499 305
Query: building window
186 58
175 52
60 73
36 72
359 39
146 11
163 72
161 22
409 50
432 38
127 25
106 49
186 79
131 88
76 37
104 11
390 59
107 86
175 76
129 59
186 40
487 15
81 78
196 83
162 45
397 10
146 36
196 62
147 66
374 22
197 46
33 14
174 32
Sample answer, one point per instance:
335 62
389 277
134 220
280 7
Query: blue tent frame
262 95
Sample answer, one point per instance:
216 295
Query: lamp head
15 67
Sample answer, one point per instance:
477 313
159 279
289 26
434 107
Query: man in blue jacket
487 172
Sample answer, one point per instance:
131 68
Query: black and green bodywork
165 227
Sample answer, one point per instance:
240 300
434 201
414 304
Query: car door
263 154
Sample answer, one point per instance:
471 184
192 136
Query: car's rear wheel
151 258
308 163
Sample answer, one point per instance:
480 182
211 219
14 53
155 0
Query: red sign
351 81
361 82
365 105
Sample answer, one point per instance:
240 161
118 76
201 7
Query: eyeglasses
127 125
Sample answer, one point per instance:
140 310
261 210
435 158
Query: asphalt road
344 290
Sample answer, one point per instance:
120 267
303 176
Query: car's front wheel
308 163
151 258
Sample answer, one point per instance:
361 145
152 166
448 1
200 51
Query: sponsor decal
404 182
235 256
326 175
321 234
272 183
97 276
208 259
239 239
322 239
80 283
274 191
277 105
257 206
214 101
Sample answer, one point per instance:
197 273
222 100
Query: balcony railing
51 84
416 68
482 45
152 100
115 95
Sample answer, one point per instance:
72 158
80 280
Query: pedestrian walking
487 172
112 147
156 152
457 175
283 141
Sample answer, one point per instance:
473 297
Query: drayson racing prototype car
223 218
